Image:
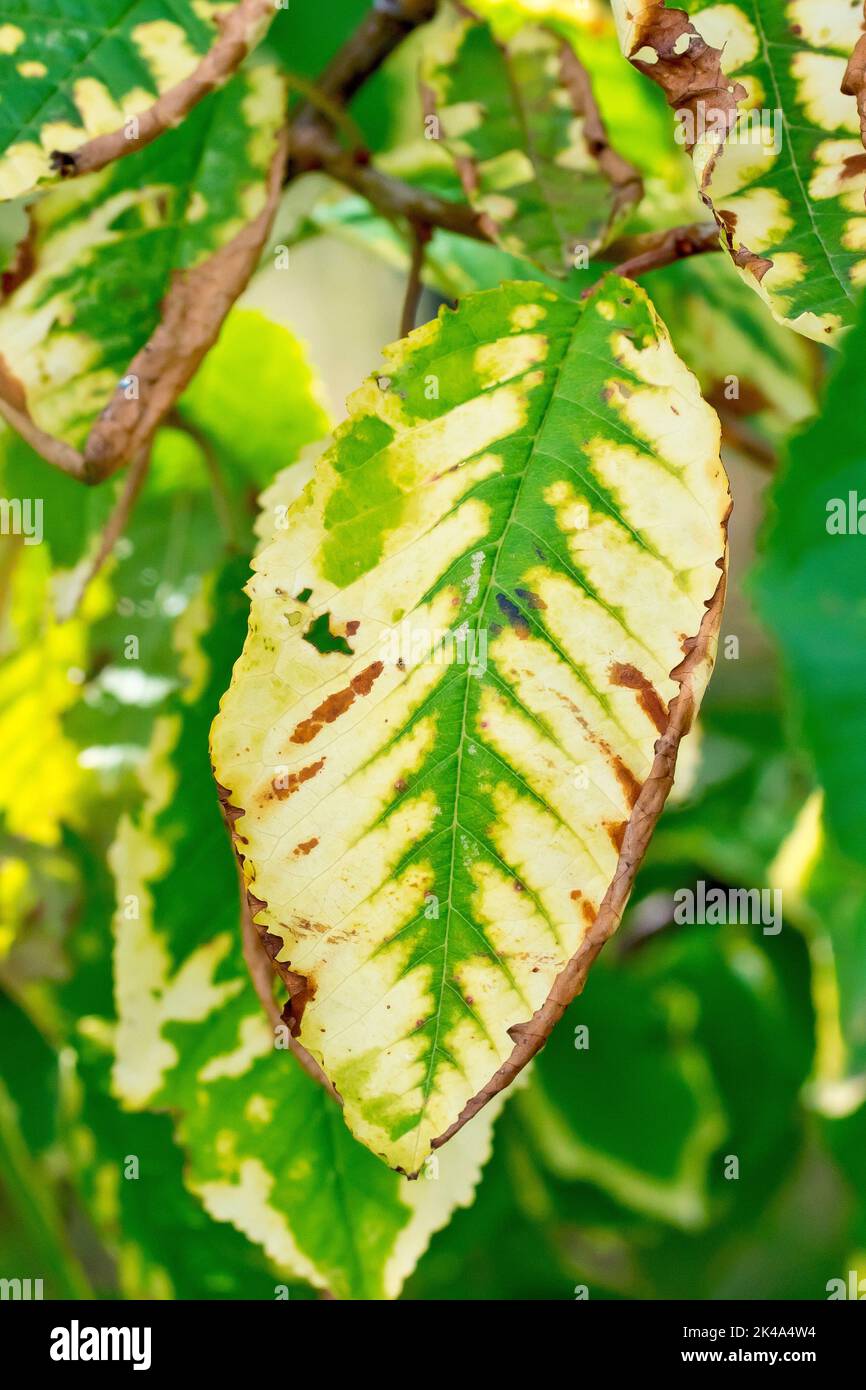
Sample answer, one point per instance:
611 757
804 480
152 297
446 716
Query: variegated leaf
456 716
128 273
758 88
83 84
521 122
267 1150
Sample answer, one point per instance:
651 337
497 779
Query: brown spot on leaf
628 676
337 704
628 782
616 831
304 847
284 787
530 599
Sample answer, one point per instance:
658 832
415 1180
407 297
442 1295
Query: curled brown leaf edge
192 314
239 30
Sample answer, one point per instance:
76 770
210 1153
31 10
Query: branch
397 199
240 30
221 499
381 31
652 250
114 528
421 235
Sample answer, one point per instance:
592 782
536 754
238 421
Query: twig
327 106
114 527
221 500
634 256
421 234
381 31
240 30
397 199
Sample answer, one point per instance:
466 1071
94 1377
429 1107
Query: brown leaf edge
690 78
624 178
192 315
854 85
691 675
239 31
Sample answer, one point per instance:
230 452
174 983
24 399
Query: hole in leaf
320 636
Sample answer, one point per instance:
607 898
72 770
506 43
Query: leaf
521 123
747 364
518 535
132 271
255 396
756 86
82 86
810 591
266 1145
622 1035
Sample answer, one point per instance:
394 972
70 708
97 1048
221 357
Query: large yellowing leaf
474 645
760 90
81 84
521 122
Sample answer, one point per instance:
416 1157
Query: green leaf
776 147
521 123
518 533
266 1145
118 306
255 397
810 588
810 591
620 1035
70 74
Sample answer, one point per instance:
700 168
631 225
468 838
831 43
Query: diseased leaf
811 592
757 87
81 85
517 536
267 1148
521 122
131 272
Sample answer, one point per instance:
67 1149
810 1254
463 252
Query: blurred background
710 1141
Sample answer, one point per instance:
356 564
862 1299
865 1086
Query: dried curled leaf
523 127
763 102
84 85
129 273
474 647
